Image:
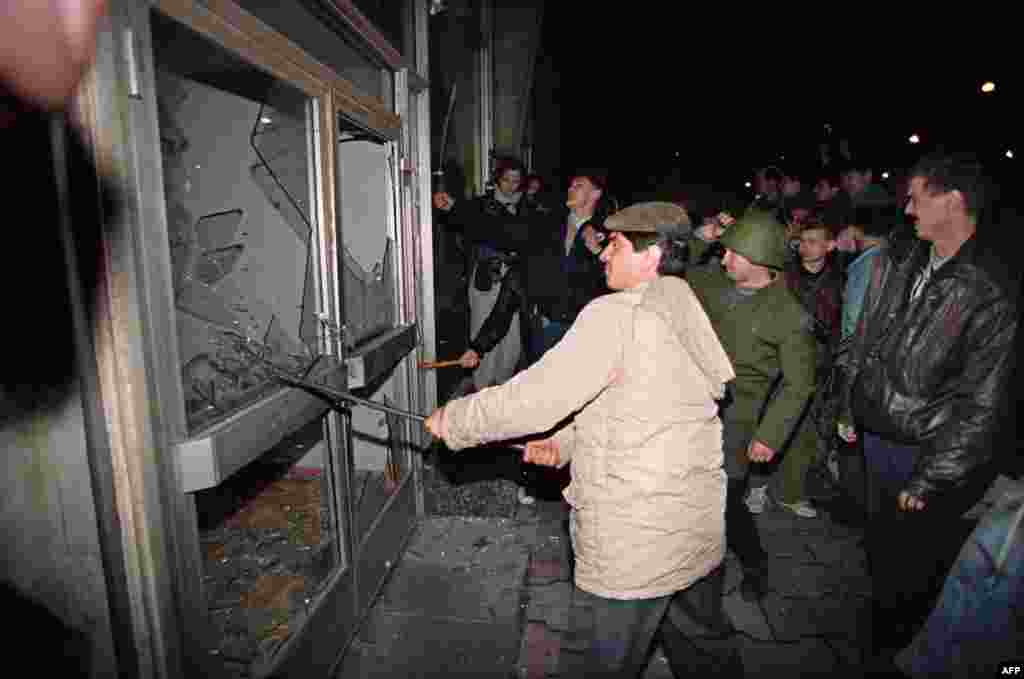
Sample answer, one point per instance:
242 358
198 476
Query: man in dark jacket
565 273
556 273
560 268
929 365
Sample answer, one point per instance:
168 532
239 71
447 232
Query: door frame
133 333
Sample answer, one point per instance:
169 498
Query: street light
885 175
1009 154
914 139
988 87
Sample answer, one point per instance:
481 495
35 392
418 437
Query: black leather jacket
932 371
511 299
543 282
559 286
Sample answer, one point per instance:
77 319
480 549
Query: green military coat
767 337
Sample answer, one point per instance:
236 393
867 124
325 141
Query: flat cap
668 219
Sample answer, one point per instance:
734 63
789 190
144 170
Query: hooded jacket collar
673 300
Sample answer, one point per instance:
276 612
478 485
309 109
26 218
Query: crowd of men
661 375
692 372
531 268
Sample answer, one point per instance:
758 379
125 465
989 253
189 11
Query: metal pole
326 393
335 396
444 129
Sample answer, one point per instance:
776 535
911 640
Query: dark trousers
614 637
909 553
543 482
741 532
851 479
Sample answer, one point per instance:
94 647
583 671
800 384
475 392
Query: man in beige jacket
641 370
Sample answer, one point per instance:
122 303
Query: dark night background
731 93
680 102
679 106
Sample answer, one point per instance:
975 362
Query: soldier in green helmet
766 334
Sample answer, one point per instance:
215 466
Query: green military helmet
759 237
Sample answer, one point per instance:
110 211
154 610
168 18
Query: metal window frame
139 387
485 91
422 213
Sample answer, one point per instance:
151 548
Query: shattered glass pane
380 443
236 154
214 265
367 259
372 487
268 547
369 298
218 230
274 186
240 208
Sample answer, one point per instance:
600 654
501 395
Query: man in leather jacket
511 301
928 367
487 268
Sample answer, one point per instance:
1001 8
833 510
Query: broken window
269 547
238 164
367 265
366 215
238 186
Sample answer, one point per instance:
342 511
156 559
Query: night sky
731 94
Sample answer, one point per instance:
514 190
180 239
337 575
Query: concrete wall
51 551
454 40
522 84
544 128
517 33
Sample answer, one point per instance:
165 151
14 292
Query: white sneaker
757 499
524 497
802 509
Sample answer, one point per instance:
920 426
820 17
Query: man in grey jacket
641 369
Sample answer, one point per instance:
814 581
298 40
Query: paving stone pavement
489 597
